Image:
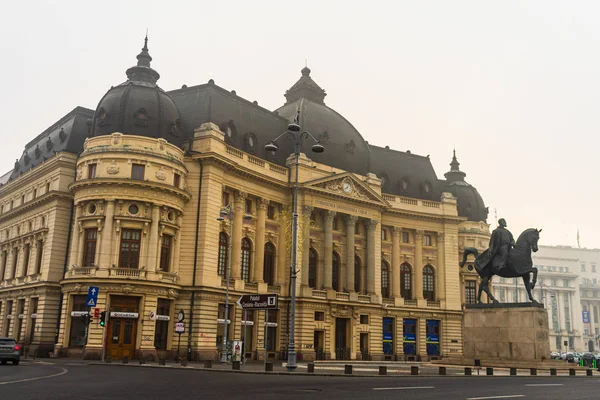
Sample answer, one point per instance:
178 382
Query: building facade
379 233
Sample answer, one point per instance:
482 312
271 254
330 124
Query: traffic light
87 319
103 318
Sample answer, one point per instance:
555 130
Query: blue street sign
92 297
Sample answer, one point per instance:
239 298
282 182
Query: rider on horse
500 244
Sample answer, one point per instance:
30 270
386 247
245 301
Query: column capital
262 203
371 223
396 230
238 195
440 236
307 209
419 234
329 214
350 219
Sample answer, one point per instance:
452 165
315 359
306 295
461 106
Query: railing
256 161
235 152
406 200
251 286
127 272
431 204
83 271
322 294
410 303
274 289
342 296
168 275
388 301
433 303
278 169
364 298
388 197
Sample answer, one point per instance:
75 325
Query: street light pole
229 211
294 131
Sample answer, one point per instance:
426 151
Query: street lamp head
318 148
220 219
292 127
271 147
223 213
248 217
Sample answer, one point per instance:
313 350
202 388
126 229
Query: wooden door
121 340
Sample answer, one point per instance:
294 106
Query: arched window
246 259
335 271
406 281
357 274
312 268
428 283
269 264
222 262
385 279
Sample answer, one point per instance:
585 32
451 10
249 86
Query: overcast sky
513 85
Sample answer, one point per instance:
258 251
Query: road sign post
105 333
91 301
244 342
179 329
259 302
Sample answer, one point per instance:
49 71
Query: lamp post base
291 364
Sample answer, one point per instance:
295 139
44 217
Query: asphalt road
73 381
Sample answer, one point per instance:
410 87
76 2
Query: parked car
9 351
554 356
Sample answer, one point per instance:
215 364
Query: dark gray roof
66 134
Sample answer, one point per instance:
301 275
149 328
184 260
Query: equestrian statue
506 258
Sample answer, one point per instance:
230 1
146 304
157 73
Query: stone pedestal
517 332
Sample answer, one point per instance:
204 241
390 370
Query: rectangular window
130 248
22 199
3 270
137 172
565 282
34 193
40 254
554 283
19 321
15 261
364 319
26 253
271 212
33 307
161 332
582 266
48 187
9 307
357 229
383 234
593 267
427 240
12 204
405 237
225 199
165 252
89 247
319 316
78 328
335 224
176 180
91 171
470 292
248 206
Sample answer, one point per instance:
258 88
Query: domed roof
345 148
470 204
138 106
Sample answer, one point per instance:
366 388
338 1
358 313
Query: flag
578 238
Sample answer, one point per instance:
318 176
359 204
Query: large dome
345 148
138 106
470 204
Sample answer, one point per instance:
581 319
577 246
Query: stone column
107 233
441 268
153 245
350 226
304 268
418 275
396 231
177 239
371 232
73 259
257 274
328 256
236 240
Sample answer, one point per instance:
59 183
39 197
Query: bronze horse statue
519 264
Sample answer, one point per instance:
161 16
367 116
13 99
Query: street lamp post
294 131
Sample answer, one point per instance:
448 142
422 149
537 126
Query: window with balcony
405 237
26 254
137 172
246 259
428 283
176 180
222 261
427 240
166 245
91 171
406 281
89 247
312 268
39 256
129 256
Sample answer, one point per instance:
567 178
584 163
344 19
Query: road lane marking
405 388
510 396
545 384
64 371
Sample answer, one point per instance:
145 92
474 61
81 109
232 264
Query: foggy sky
512 85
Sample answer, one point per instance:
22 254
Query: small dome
470 204
138 106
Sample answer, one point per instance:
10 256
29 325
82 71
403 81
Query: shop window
385 279
137 172
161 332
39 256
91 171
246 259
176 180
312 268
406 281
319 316
222 261
470 292
130 249
269 264
78 328
364 319
89 247
428 283
166 245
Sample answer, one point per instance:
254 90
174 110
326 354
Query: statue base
517 332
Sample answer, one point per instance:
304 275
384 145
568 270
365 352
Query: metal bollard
269 366
414 370
489 371
162 361
572 372
142 361
442 371
348 369
125 360
513 371
589 372
184 362
310 368
468 371
382 370
552 371
207 363
533 371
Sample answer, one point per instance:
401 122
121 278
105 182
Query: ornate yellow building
379 237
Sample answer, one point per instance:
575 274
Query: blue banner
586 317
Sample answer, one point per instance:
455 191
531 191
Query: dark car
9 351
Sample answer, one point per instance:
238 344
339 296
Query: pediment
346 185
